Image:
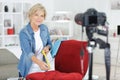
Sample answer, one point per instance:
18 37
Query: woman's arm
42 65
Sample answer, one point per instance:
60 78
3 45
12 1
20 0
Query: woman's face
37 18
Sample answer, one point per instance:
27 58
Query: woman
34 38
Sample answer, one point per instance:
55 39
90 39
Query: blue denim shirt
27 43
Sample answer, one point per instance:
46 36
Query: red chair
67 63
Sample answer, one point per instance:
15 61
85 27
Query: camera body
91 18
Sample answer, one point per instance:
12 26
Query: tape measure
46 59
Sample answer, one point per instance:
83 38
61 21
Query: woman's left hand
46 49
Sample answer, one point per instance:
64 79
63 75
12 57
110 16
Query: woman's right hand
43 66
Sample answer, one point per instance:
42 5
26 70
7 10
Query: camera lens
78 18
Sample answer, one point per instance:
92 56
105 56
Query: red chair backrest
68 58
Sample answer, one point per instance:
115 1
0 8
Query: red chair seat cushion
54 75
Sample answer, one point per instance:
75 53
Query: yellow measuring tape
46 59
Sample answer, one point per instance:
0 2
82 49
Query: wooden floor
100 71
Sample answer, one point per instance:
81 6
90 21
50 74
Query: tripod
103 45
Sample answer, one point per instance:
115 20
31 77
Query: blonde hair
36 7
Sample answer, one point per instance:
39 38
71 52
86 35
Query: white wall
78 6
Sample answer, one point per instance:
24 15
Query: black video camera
91 18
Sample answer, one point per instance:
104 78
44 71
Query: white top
38 49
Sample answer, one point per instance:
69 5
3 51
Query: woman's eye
42 15
36 15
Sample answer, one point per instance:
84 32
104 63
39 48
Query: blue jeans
20 76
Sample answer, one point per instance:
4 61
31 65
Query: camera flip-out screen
118 29
92 20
